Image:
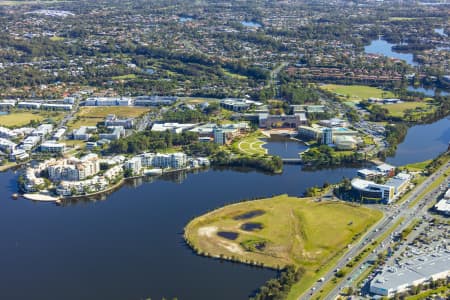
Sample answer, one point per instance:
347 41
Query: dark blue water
385 48
422 142
428 92
284 147
130 246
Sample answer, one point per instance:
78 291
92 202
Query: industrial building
419 270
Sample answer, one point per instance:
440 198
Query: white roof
443 205
447 194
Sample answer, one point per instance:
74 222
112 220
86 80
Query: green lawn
233 75
56 38
124 77
398 109
419 166
296 231
90 116
356 92
250 145
22 118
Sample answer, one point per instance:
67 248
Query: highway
385 224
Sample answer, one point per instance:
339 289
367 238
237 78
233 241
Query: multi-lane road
384 225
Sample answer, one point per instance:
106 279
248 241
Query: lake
251 24
284 147
422 142
426 91
130 246
385 48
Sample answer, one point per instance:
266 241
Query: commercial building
277 121
369 190
239 105
83 133
115 133
172 127
52 146
154 100
42 130
59 134
5 104
418 270
327 136
345 142
7 145
30 142
112 120
443 206
7 133
334 122
108 101
56 106
29 105
310 133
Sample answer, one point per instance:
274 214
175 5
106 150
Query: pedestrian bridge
292 161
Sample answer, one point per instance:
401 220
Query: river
130 246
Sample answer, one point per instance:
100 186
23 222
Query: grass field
124 77
401 19
18 119
233 75
90 116
251 145
398 109
419 166
56 38
294 231
356 92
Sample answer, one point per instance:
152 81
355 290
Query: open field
419 166
234 75
352 265
398 109
22 118
401 19
290 231
251 145
356 92
56 38
90 116
124 77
